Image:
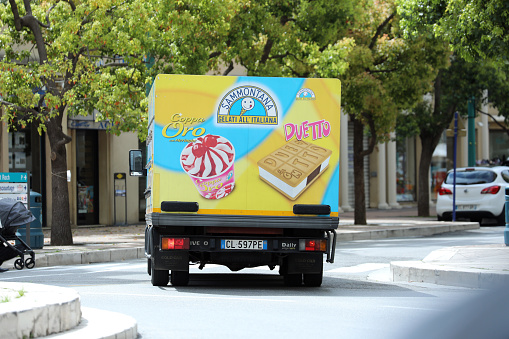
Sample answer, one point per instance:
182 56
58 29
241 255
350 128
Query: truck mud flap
148 241
304 263
331 248
171 260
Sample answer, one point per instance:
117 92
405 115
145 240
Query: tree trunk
423 182
429 141
61 222
358 170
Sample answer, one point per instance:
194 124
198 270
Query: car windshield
471 177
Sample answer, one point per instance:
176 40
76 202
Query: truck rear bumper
239 250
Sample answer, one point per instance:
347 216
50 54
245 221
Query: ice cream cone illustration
247 105
209 162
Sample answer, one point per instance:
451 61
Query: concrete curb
418 271
73 255
76 257
42 310
100 324
365 233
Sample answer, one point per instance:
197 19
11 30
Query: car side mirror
136 163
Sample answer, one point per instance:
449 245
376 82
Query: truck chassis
296 244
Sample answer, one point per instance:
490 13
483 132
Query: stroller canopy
13 213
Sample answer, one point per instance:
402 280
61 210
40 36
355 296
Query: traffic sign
13 177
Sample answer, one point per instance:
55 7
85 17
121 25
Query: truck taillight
319 245
175 244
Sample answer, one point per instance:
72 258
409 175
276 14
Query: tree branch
380 29
493 118
266 51
15 12
229 69
214 54
372 140
71 3
26 110
30 22
383 70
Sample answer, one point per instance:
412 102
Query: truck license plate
243 244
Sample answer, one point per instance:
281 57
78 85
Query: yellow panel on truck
233 159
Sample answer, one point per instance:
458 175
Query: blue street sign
13 177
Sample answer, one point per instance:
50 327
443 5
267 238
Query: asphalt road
357 298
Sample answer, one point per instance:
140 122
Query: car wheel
439 218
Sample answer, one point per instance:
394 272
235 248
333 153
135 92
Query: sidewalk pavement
465 266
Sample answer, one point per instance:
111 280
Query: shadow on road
238 284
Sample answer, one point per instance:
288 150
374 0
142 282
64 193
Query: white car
480 194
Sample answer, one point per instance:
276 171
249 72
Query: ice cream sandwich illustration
294 167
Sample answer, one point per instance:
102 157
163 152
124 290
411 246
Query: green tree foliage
299 38
453 87
358 42
476 29
74 56
387 74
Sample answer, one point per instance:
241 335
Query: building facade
100 188
102 192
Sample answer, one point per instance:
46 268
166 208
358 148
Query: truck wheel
292 280
179 278
313 279
160 277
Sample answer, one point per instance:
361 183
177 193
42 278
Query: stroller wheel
30 263
19 264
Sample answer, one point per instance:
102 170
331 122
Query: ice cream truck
241 172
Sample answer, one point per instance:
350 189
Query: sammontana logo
247 105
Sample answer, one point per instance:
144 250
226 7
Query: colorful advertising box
243 145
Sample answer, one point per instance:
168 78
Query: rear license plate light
317 245
174 243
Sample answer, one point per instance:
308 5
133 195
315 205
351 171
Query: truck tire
159 277
313 279
292 280
179 278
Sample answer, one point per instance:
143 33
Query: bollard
506 230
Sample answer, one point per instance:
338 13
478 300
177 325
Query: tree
387 74
357 42
70 57
477 29
295 38
453 86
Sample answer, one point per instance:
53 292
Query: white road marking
411 308
159 296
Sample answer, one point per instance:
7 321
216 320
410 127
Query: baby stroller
12 215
